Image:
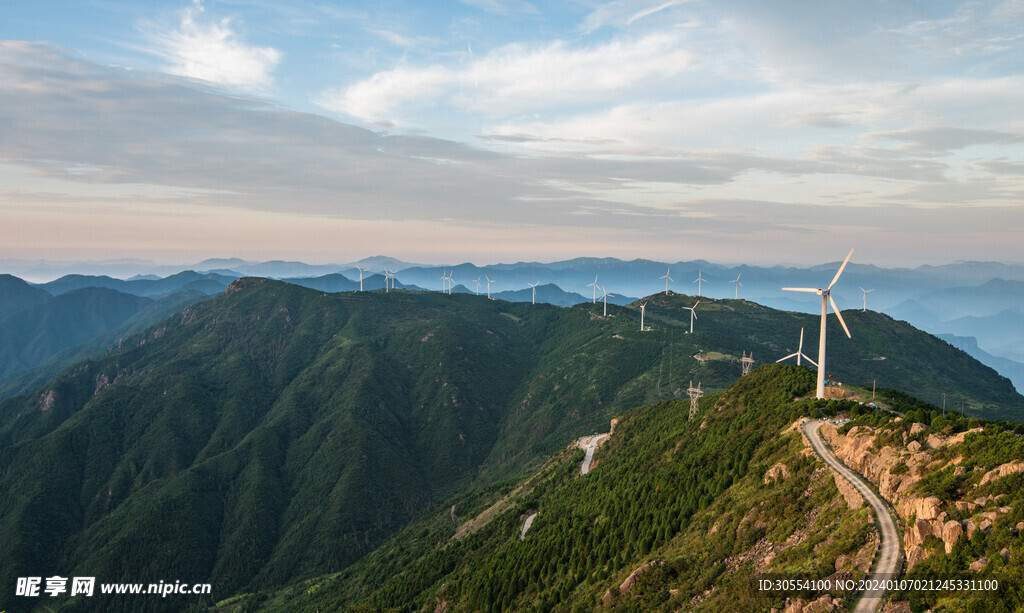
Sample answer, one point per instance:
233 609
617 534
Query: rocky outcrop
627 585
979 565
922 517
1005 470
779 472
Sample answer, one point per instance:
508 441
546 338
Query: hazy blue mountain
207 283
17 295
989 298
1011 369
33 336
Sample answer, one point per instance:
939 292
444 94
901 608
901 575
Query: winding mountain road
889 556
590 447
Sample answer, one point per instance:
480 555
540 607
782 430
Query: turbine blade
792 355
801 289
810 360
835 309
845 262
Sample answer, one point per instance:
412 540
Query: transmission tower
695 394
747 362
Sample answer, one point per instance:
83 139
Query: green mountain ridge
278 433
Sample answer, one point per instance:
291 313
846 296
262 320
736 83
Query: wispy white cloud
503 7
516 78
211 50
400 40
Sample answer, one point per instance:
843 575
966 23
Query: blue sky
499 130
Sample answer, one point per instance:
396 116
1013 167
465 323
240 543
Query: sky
735 131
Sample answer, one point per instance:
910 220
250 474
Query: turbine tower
387 276
604 296
866 291
693 314
826 299
593 285
667 279
747 363
695 394
444 282
738 285
643 306
534 286
799 352
451 281
361 271
698 281
477 286
488 287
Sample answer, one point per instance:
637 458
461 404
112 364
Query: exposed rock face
779 472
47 400
922 517
1005 470
979 565
630 581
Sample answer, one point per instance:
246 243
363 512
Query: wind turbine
451 281
534 286
394 277
693 314
477 286
387 275
698 281
361 271
444 279
866 296
667 279
738 284
593 285
826 299
799 352
488 286
643 305
604 296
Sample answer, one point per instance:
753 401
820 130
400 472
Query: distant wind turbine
451 281
643 306
738 285
604 296
444 282
667 279
477 286
693 314
387 276
593 285
866 291
799 352
826 299
361 271
698 281
534 286
488 286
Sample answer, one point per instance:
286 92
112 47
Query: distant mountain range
984 300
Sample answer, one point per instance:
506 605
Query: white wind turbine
444 282
693 314
488 286
387 276
826 299
866 291
451 281
477 286
593 285
361 271
534 286
604 296
799 352
394 277
698 281
738 285
643 306
667 279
